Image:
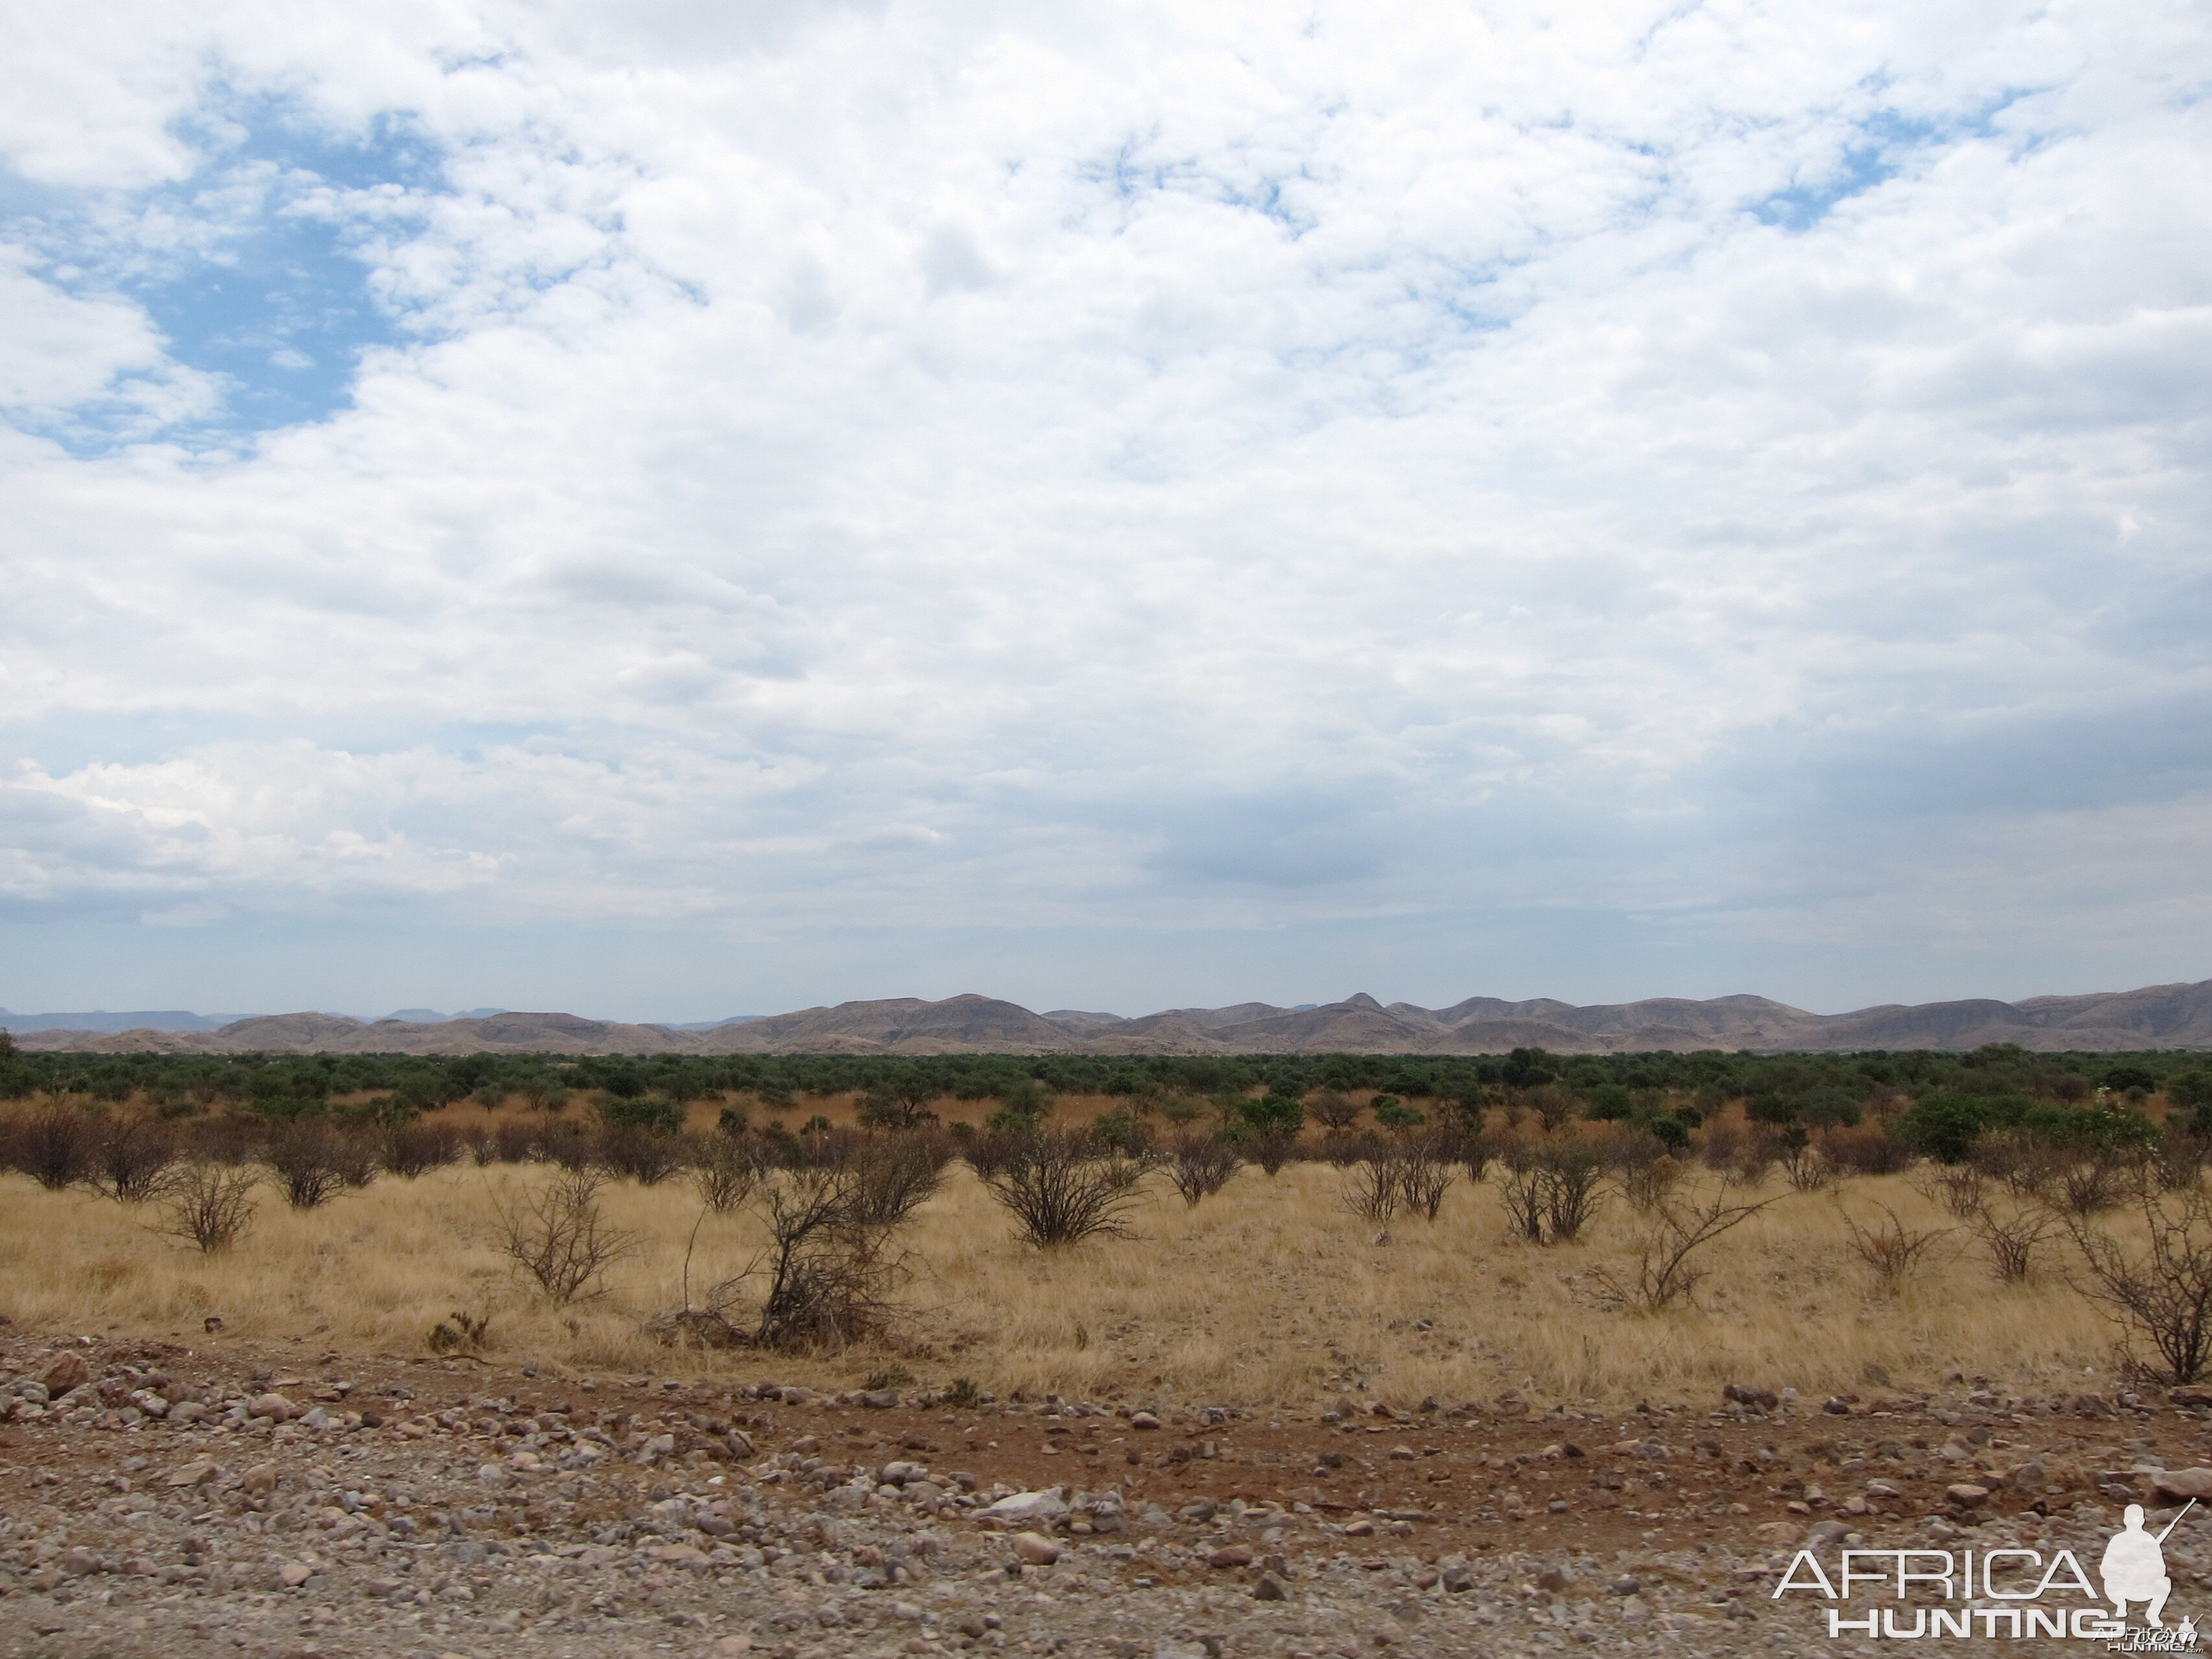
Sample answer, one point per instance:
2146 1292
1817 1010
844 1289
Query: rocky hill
2158 1016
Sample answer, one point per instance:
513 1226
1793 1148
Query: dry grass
1267 1293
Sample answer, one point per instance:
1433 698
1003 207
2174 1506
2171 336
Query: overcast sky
667 510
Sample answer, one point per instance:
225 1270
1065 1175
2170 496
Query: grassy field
1270 1293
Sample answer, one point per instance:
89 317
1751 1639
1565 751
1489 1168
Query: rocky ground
232 1499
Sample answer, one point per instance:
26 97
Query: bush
131 1153
1335 1110
53 1146
312 1160
409 1150
210 1206
896 1175
1665 1271
1062 1189
557 1235
724 1171
1201 1166
2160 1293
645 1155
1891 1251
1552 1189
1865 1149
1272 1114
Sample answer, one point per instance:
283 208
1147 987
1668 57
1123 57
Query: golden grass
1269 1293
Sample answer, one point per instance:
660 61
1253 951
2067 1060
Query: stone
1360 1529
1458 1580
1231 1555
1825 1534
1555 1579
294 1574
1625 1585
2178 1485
65 1372
1035 1549
1270 1589
1965 1496
76 1561
882 1400
730 1646
1143 1420
275 1407
198 1472
1028 1507
261 1478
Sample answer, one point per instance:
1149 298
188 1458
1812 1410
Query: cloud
1696 475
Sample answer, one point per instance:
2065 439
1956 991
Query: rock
1966 1497
1202 1511
730 1646
65 1372
1555 1579
1884 1489
1625 1585
261 1478
272 1406
1360 1529
740 1444
191 1411
1270 1589
1761 1400
1143 1420
76 1561
882 1400
1231 1555
2177 1486
294 1574
1029 1507
1035 1549
198 1472
900 1474
1458 1580
1825 1534
1403 1453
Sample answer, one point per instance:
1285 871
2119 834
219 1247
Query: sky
674 510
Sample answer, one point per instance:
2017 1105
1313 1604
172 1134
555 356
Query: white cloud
1094 469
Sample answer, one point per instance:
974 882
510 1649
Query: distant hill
150 1019
2158 1016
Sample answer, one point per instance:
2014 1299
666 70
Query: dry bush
1720 1145
1553 1188
1891 1251
829 1277
513 1141
312 1160
1333 1110
1647 1176
2178 1161
233 1138
1370 1183
639 1153
1271 1150
2090 1185
2160 1293
1804 1166
1665 1271
1864 1149
131 1153
53 1145
1475 1150
2011 1237
895 1175
1758 1151
1201 1165
570 1143
208 1205
1962 1189
725 1169
1425 1173
1341 1148
410 1151
556 1233
1062 1188
1553 1104
992 1152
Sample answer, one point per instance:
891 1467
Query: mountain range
2157 1017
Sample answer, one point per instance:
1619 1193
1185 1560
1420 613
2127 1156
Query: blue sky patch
256 269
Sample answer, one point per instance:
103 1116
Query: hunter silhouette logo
2006 1592
2134 1567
